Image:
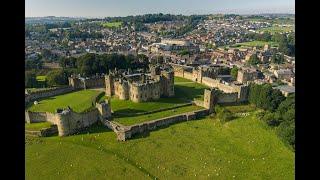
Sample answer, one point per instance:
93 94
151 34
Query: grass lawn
113 24
38 89
190 91
277 29
180 79
79 101
128 107
41 78
244 147
277 21
143 118
254 43
37 126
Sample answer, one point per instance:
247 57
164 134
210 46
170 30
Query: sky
111 8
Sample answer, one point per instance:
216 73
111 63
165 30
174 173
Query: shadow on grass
121 112
95 128
188 92
147 133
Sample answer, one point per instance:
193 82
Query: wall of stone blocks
188 75
48 93
128 131
227 97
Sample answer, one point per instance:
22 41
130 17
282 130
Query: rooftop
285 88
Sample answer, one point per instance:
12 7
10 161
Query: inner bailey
139 87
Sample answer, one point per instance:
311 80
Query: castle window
141 96
136 96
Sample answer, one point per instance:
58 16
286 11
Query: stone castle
139 87
207 75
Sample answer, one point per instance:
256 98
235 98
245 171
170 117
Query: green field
190 91
41 78
128 107
143 118
37 126
113 24
277 21
79 101
180 79
276 29
202 149
253 43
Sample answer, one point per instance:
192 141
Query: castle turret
210 99
109 84
104 109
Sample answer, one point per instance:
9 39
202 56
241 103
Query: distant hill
51 19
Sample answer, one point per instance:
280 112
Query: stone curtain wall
95 82
48 93
210 82
215 83
198 102
188 75
125 132
227 97
45 132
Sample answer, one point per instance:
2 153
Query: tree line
86 65
286 42
278 111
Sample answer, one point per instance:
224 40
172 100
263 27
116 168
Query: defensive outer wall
126 132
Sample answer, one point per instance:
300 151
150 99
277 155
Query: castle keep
139 87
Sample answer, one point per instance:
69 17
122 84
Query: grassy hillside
244 148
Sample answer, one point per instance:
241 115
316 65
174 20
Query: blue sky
103 8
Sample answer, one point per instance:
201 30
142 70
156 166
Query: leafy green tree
270 120
57 77
30 79
234 72
46 54
274 58
184 52
281 59
286 131
253 60
224 115
284 48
